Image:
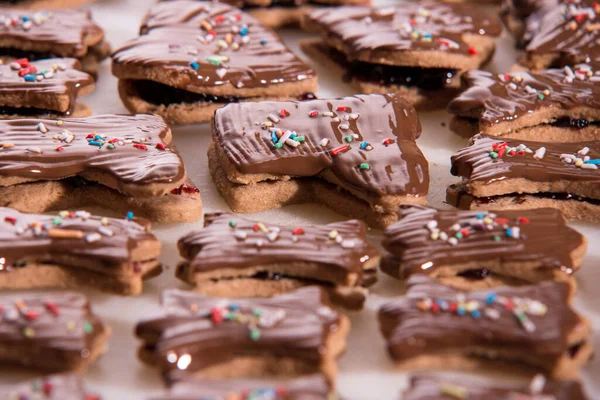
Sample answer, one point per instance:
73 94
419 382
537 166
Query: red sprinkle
113 140
507 77
341 108
140 146
512 153
281 391
11 220
53 308
47 388
501 152
59 148
464 232
31 315
284 113
219 18
238 17
521 152
28 70
523 220
90 136
255 227
580 17
387 142
412 22
313 113
508 305
452 307
216 316
161 146
212 33
435 307
298 231
23 62
472 51
501 221
340 149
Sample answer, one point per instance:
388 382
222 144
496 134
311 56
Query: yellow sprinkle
8 145
71 326
573 25
593 27
262 227
65 234
333 235
458 392
59 123
104 221
29 332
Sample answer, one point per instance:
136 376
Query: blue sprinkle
292 136
29 78
509 232
595 161
263 42
195 65
129 215
364 145
95 143
481 216
274 137
25 18
244 31
98 137
490 298
460 311
233 307
475 313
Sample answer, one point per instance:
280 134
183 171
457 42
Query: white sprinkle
453 241
82 214
344 126
39 78
355 136
336 119
272 236
354 116
105 231
515 232
246 39
42 128
540 153
221 72
455 227
530 90
512 86
260 243
292 142
327 114
34 150
443 236
583 151
241 235
537 384
432 224
48 74
93 237
339 239
491 313
348 244
324 142
286 135
273 118
589 166
15 66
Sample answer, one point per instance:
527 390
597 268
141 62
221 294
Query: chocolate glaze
369 34
63 332
127 164
39 94
217 247
398 168
491 100
562 32
410 332
431 387
67 32
169 44
19 243
313 387
475 164
187 328
409 241
51 387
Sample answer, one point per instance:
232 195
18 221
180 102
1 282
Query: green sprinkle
57 221
459 235
36 385
299 138
348 138
232 223
230 316
110 146
493 154
255 334
540 96
278 145
497 238
365 166
521 316
88 327
214 61
257 312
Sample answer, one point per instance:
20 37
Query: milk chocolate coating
169 43
127 164
66 32
217 247
398 168
41 94
313 387
19 244
410 332
51 387
568 30
475 164
71 330
187 328
431 387
492 101
371 34
409 240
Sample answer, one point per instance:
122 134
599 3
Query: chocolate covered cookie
54 332
523 17
432 387
193 57
293 334
474 250
416 51
43 89
357 155
313 387
75 249
123 163
51 387
518 329
236 257
557 105
52 34
510 174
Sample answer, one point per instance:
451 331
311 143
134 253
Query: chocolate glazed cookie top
49 321
497 98
313 387
66 33
130 148
490 160
228 241
429 25
431 387
570 29
67 239
61 76
208 45
413 328
366 141
198 331
425 239
63 387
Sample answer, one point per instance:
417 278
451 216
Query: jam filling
28 54
522 198
32 112
567 122
475 274
164 95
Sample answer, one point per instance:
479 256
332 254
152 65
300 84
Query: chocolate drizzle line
412 242
228 241
369 34
139 157
67 239
411 331
195 331
223 60
367 142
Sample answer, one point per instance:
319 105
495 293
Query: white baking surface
366 372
